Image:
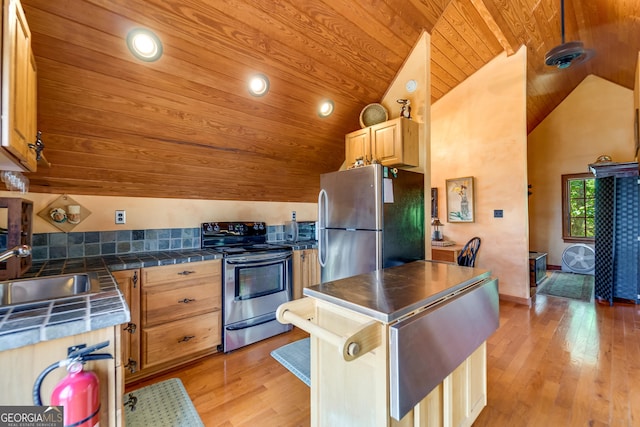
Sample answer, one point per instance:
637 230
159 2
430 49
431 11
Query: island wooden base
356 392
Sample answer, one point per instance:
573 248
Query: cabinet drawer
441 254
181 338
168 302
171 273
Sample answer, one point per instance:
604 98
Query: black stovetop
238 238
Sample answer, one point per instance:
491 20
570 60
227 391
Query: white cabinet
392 143
19 91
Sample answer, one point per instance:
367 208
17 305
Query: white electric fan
579 258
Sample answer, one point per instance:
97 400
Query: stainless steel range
256 279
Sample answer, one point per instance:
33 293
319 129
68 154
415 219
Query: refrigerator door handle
322 222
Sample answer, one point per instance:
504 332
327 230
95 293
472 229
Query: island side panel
356 392
347 393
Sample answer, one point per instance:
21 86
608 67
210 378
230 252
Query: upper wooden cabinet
392 143
358 144
19 96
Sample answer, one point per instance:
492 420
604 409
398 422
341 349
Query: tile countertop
30 323
303 244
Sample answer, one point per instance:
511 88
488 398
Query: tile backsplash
95 243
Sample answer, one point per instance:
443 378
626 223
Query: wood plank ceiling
186 127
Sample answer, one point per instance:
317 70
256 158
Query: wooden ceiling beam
509 46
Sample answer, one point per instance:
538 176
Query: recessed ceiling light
326 108
144 44
259 85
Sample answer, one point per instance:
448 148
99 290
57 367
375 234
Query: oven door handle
261 320
251 261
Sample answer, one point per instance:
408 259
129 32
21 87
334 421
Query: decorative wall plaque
65 213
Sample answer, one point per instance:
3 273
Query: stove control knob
207 227
261 225
216 227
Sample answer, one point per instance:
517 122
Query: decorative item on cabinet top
64 213
405 110
373 114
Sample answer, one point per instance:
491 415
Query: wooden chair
467 257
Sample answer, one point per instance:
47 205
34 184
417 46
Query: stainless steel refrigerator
369 218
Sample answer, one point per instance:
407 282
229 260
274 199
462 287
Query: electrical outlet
121 217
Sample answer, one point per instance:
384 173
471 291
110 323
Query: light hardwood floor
559 363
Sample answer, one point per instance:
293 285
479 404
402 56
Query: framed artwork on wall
636 133
460 200
434 203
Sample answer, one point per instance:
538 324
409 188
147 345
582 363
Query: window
578 207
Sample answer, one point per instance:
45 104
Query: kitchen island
399 346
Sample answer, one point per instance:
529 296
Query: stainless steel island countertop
391 293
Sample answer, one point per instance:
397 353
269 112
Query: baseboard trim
518 300
554 267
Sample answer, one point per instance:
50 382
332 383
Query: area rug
295 357
164 404
568 285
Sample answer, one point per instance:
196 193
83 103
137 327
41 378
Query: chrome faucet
19 251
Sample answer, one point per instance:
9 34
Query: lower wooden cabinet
445 253
129 284
357 392
467 389
21 366
180 339
178 300
175 315
456 401
306 270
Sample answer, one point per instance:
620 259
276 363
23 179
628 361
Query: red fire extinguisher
79 391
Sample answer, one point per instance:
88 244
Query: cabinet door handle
186 338
186 300
186 273
132 365
131 328
131 402
134 279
